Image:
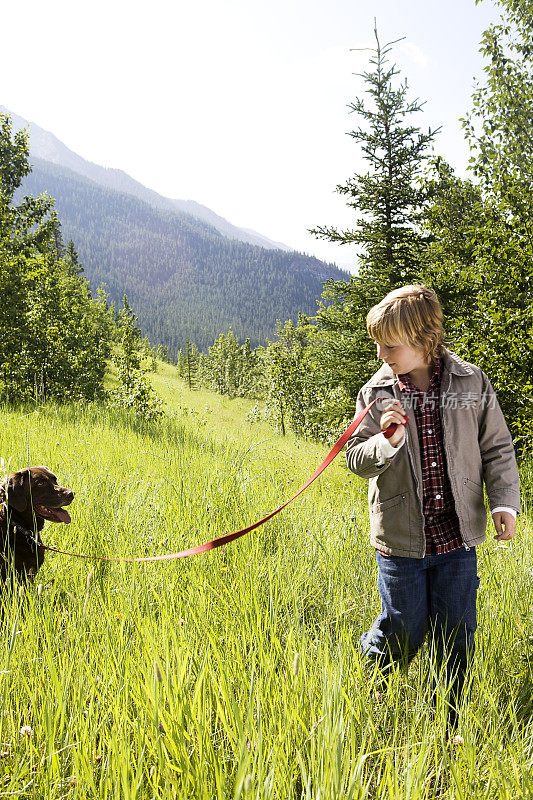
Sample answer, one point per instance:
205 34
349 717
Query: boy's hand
505 525
394 413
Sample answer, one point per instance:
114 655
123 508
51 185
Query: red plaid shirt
441 524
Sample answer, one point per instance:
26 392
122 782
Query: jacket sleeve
500 471
366 448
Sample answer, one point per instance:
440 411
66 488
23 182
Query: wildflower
377 696
26 731
4 753
458 741
161 728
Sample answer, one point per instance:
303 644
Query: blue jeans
435 593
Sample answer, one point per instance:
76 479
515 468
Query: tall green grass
234 674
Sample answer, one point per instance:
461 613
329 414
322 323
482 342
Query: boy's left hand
505 525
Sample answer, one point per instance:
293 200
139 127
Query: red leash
230 537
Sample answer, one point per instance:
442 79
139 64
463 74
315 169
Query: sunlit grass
234 674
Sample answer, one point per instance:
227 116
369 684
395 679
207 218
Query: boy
427 510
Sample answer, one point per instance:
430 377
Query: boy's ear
16 490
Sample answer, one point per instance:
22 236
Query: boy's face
401 358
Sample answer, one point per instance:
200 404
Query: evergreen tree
72 260
389 199
191 364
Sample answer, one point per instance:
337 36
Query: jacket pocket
390 523
474 487
390 503
474 507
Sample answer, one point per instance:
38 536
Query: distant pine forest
185 280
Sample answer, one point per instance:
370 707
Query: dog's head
34 493
32 496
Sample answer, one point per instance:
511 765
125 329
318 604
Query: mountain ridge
184 278
46 146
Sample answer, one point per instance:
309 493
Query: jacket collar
456 365
452 363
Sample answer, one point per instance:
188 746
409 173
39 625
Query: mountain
47 147
184 277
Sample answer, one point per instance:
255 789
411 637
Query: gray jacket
479 450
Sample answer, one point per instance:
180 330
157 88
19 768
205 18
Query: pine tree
190 364
388 198
72 260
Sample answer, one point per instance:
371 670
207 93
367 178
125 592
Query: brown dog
28 498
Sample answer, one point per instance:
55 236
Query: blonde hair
411 315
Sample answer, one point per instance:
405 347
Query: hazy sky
238 104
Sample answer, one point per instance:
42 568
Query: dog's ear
16 489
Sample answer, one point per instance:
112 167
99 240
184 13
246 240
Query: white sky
238 104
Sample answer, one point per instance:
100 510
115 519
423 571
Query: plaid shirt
441 524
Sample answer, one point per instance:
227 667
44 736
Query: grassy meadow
235 674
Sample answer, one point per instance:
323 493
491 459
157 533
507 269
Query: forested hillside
46 146
184 279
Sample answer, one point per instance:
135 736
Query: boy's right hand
394 413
